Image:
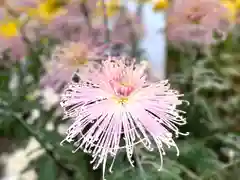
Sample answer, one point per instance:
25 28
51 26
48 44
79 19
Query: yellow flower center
123 100
123 91
44 40
125 84
78 54
9 29
120 100
194 15
79 61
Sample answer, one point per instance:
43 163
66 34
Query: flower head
117 108
71 57
197 21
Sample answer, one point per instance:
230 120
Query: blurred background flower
202 22
73 58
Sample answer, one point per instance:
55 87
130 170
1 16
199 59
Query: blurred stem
190 173
47 147
133 35
85 12
224 129
139 165
105 22
24 37
192 75
22 28
233 163
139 11
11 11
139 15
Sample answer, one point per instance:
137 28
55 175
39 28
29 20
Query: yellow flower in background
233 6
112 7
160 5
9 27
48 9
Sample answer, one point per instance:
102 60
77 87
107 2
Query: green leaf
198 157
47 169
145 169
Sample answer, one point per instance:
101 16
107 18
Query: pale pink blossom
72 58
197 21
119 105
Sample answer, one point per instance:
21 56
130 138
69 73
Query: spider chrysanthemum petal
117 108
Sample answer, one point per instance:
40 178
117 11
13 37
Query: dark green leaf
47 169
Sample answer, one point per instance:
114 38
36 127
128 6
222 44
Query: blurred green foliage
210 82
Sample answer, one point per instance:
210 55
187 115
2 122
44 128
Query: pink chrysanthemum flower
72 57
118 103
197 21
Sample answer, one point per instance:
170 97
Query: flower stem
105 22
133 36
139 165
85 12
